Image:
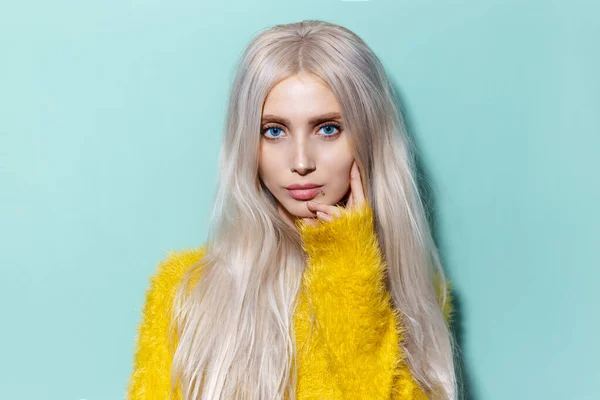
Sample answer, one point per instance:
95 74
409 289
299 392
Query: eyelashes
334 135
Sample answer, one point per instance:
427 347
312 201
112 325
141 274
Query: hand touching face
326 212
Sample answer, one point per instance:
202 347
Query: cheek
344 178
338 162
267 164
338 174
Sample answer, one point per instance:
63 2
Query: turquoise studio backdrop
111 117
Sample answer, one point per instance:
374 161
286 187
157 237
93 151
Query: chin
296 208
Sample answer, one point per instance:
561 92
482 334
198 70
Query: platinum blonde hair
234 327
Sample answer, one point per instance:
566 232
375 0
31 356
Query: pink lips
303 192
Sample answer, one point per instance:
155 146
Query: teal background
111 116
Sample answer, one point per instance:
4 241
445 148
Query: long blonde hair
235 337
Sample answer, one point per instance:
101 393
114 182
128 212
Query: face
303 142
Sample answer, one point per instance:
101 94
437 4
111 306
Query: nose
302 160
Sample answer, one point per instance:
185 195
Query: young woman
320 278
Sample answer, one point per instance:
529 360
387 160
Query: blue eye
275 128
330 129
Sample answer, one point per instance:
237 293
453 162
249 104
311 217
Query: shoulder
153 351
176 263
169 273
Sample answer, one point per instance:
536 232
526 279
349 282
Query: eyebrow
315 120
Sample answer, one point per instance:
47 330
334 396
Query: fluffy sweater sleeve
346 329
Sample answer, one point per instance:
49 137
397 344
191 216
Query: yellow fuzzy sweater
353 351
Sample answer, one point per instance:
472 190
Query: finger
358 195
310 221
324 217
350 200
325 208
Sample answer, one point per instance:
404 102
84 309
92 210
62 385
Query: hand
326 212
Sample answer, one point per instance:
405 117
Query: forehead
300 97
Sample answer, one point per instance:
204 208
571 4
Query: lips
303 192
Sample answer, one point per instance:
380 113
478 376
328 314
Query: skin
294 150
